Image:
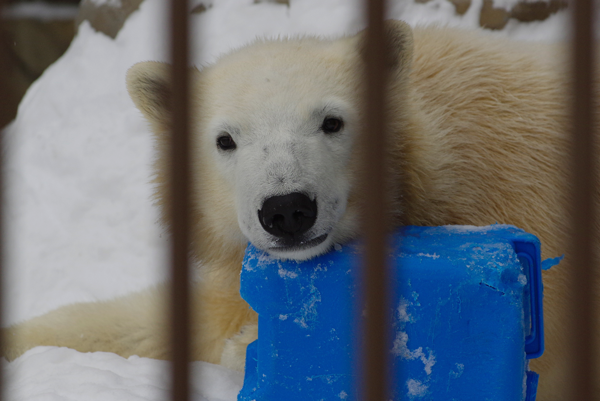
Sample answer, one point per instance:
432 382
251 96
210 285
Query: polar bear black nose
288 216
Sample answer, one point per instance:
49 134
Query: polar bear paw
234 353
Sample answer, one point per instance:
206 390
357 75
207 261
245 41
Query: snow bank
50 373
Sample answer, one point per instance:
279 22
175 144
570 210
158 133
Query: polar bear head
274 130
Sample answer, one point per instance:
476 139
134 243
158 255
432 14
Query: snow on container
466 316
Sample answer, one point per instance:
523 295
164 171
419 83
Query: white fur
290 155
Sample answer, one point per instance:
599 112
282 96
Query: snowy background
82 226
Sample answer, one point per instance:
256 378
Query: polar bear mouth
302 245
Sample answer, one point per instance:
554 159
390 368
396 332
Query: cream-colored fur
478 131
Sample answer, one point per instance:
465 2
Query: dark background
34 35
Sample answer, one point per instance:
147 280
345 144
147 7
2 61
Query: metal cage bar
375 208
180 206
5 117
583 177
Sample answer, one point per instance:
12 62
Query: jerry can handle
528 253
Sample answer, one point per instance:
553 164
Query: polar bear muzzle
288 217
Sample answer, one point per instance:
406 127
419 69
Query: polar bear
478 136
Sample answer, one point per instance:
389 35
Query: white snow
460 368
522 279
107 3
40 11
50 373
403 316
429 255
400 348
82 226
416 388
283 273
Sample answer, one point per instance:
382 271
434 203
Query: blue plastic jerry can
465 314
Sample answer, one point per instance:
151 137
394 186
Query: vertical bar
584 184
6 90
374 190
6 96
180 206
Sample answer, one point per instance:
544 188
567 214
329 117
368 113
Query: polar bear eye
226 142
331 125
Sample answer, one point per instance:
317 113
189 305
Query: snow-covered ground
82 226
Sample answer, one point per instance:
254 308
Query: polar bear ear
400 43
149 86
